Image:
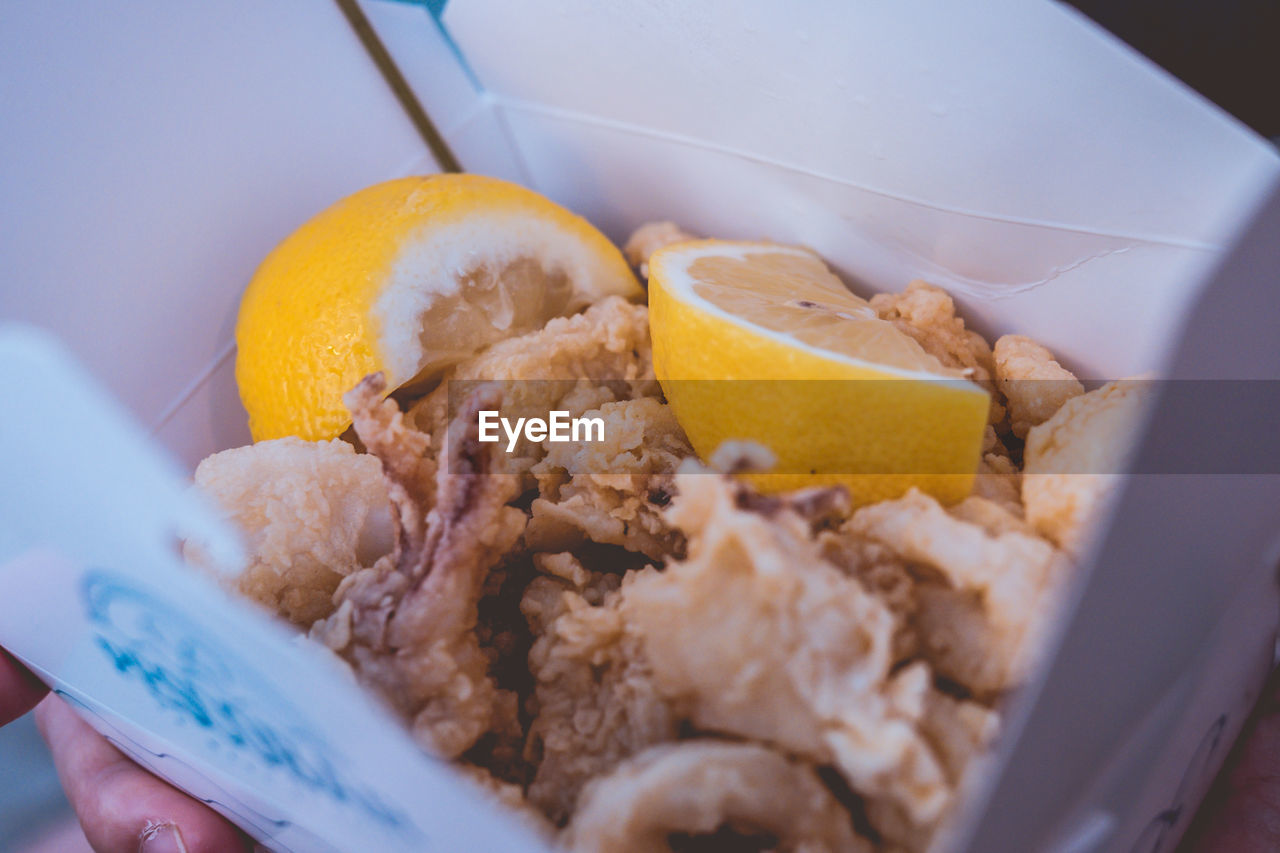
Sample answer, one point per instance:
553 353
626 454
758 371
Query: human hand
19 689
121 807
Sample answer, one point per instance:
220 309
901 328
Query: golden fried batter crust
1074 459
579 623
595 700
958 729
571 364
1032 381
698 787
311 514
407 625
979 630
649 238
928 314
612 491
754 634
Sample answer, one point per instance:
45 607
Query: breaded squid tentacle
408 624
468 530
408 470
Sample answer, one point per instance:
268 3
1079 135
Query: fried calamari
311 514
595 701
572 364
754 634
1032 381
637 652
1074 459
407 625
730 795
977 626
928 314
649 238
612 491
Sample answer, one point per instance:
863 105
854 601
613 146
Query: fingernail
161 838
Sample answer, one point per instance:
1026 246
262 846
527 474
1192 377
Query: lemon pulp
838 395
409 277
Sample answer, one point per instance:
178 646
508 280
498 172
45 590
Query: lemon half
410 277
837 394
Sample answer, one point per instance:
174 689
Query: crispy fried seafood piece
612 491
649 238
1033 383
993 516
981 627
928 314
311 512
572 364
712 791
754 634
1073 460
999 481
885 576
407 625
958 730
595 700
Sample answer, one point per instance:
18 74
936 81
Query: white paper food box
1055 182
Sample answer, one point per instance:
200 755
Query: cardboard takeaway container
1054 181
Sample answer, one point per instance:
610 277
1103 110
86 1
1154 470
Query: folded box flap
1012 152
196 685
1168 574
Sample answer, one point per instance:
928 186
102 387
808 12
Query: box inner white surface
1057 183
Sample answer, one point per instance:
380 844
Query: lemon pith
790 337
409 277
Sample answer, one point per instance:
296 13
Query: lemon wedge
409 277
837 394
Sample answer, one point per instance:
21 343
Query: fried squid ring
708 788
